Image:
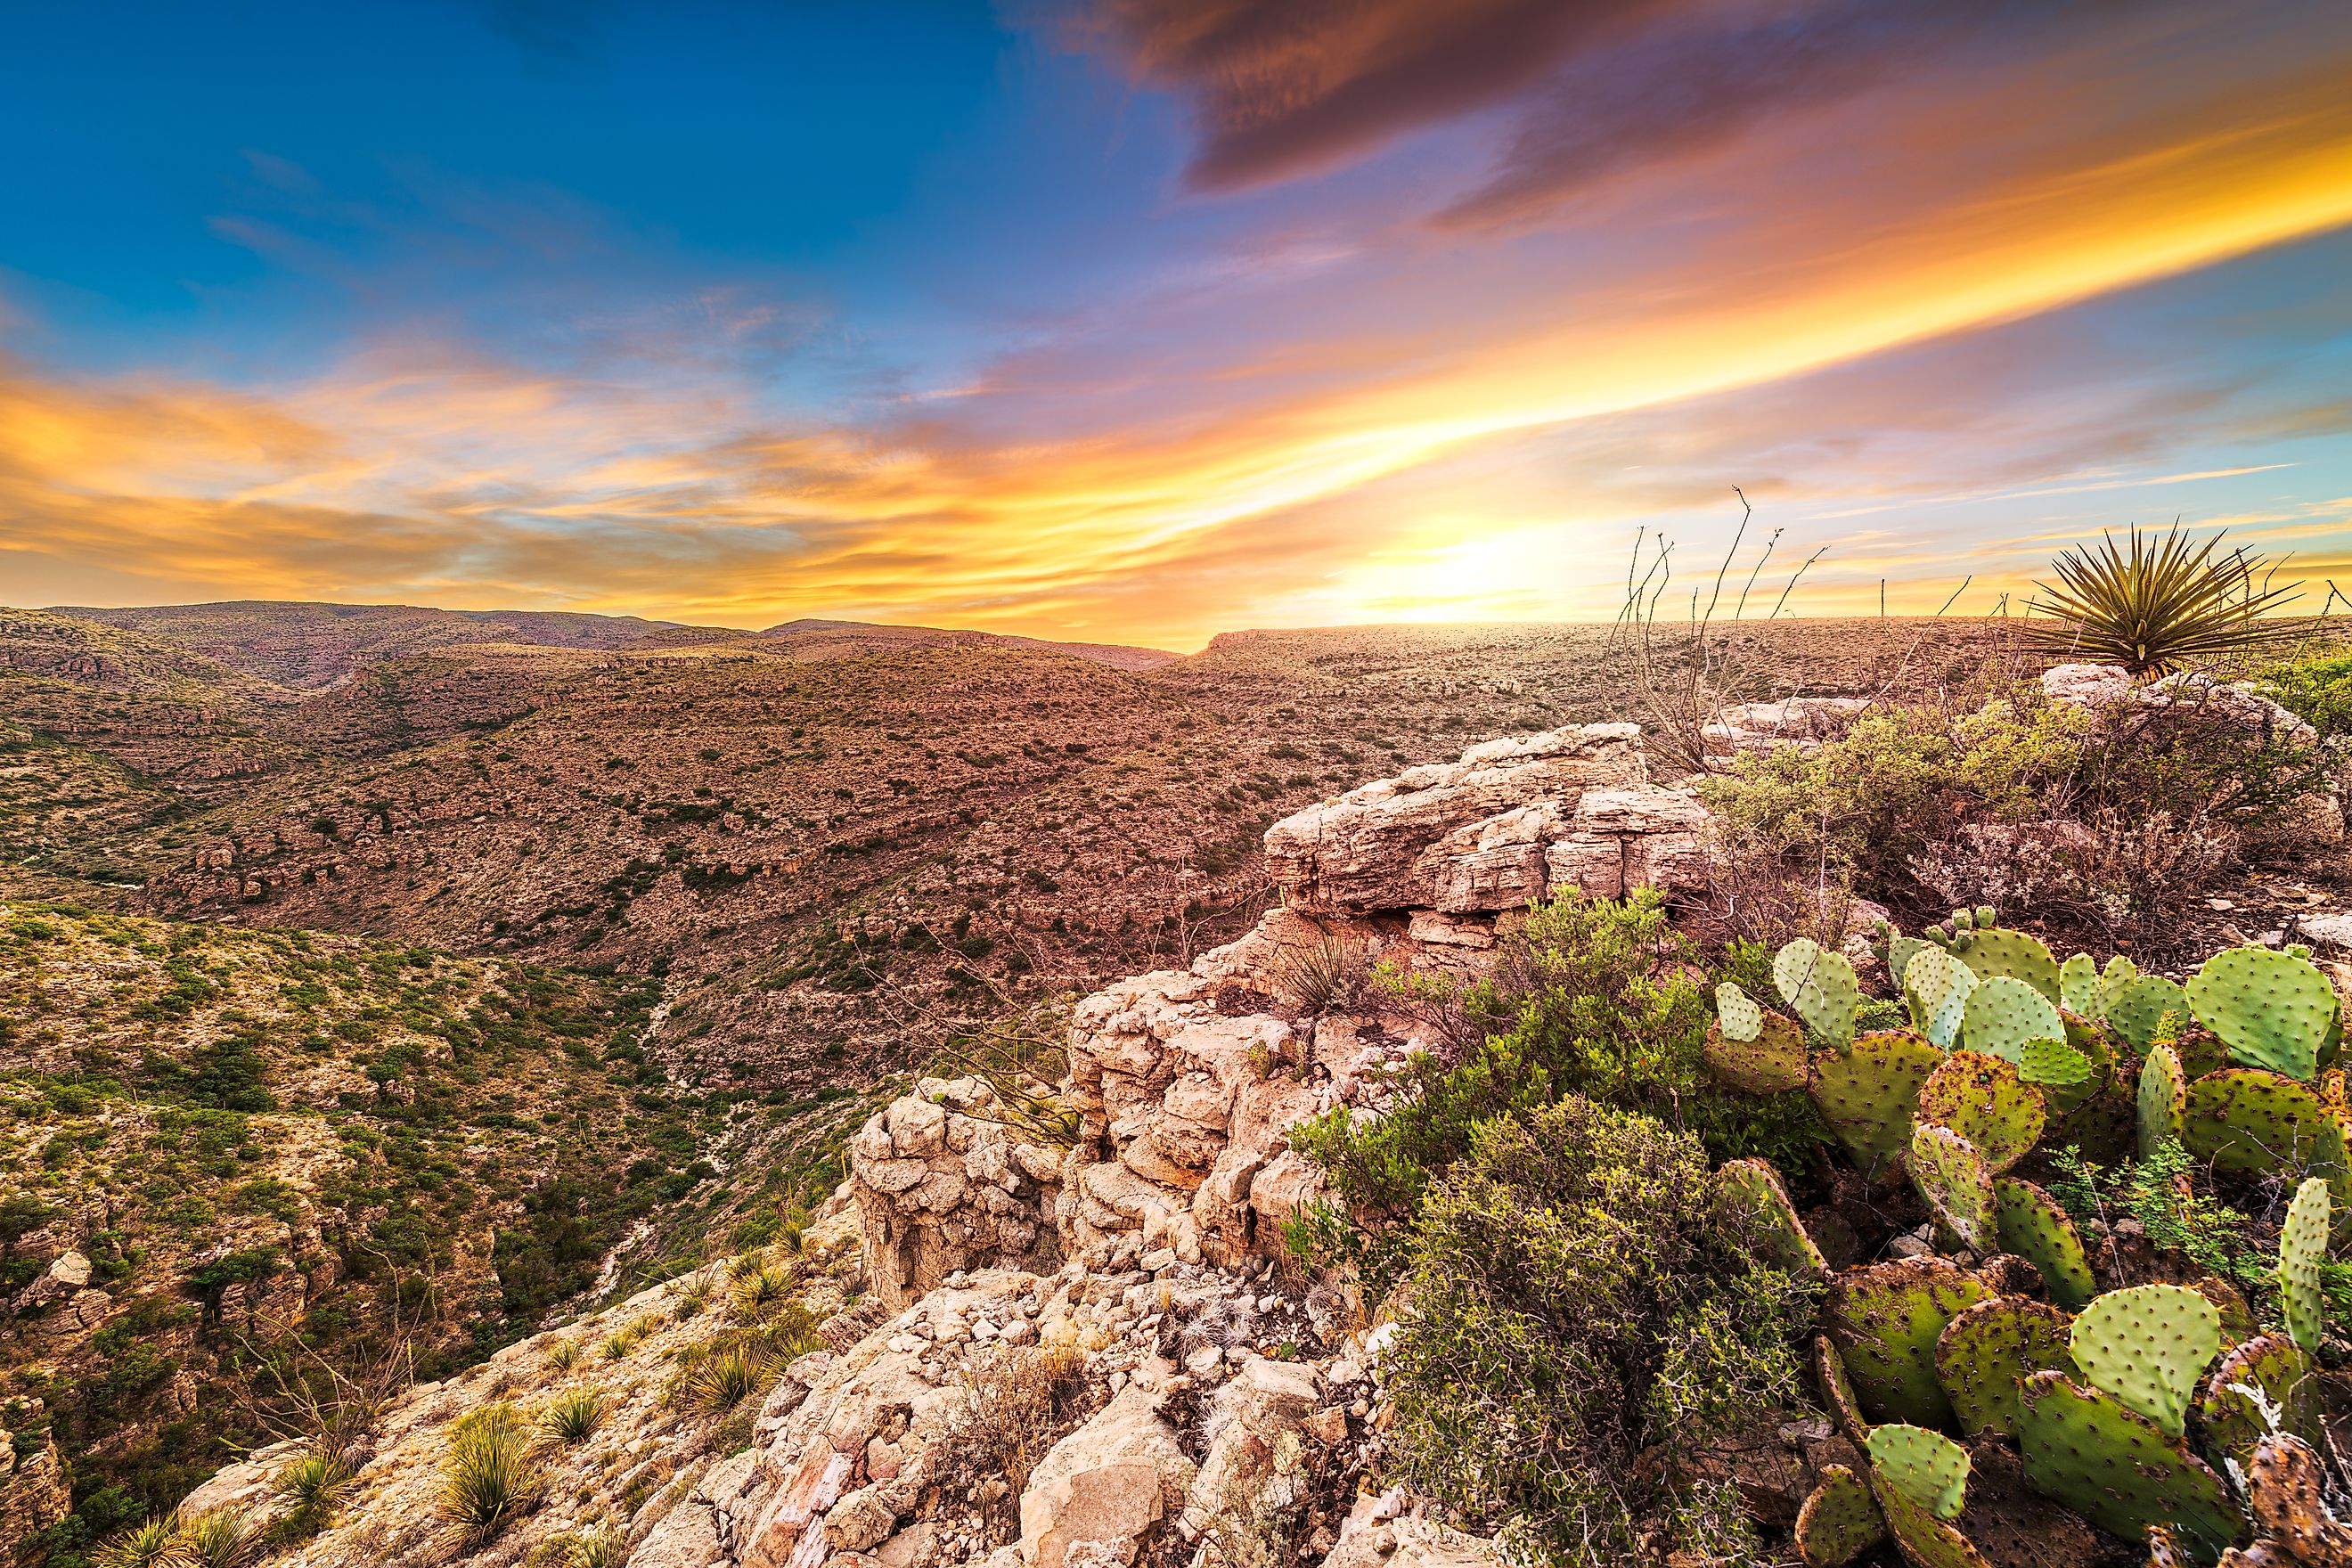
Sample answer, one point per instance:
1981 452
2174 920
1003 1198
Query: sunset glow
1120 323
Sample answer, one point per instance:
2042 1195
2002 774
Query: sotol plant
2161 603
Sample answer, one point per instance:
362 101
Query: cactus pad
2035 1228
2078 987
2004 1013
1984 1353
1884 1320
1936 985
2016 955
1821 987
1984 1100
2303 1246
2250 1122
1837 1388
1900 951
2105 1461
2148 1346
1757 1208
1867 1094
2118 973
2136 1008
1925 1541
1927 1468
1771 1062
1741 1018
1952 1176
2270 1009
2163 1101
2055 1064
2285 1490
1839 1521
2264 1378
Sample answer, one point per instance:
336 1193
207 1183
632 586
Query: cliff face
1083 1349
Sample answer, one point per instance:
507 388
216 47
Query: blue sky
1147 318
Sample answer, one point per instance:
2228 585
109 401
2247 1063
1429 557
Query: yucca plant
219 1538
563 1355
488 1478
154 1544
600 1548
2165 601
573 1417
721 1382
759 1292
309 1486
622 1341
691 1299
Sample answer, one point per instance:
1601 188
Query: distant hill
834 639
313 646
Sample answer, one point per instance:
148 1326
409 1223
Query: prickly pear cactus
1756 1207
1937 987
2033 1226
2078 987
2003 1013
1998 954
1985 1100
2066 1075
1884 1320
1867 1095
1774 1061
2270 1009
2136 1008
2148 1346
1839 1521
1900 952
1951 1176
2163 1101
2117 973
2303 1246
1737 1012
1924 1539
2285 1490
2250 1122
1982 1354
1821 987
1926 1468
2265 1385
1837 1388
2089 1452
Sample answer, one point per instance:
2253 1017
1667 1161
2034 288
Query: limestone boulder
1100 1493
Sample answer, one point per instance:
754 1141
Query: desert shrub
1571 1305
152 1544
622 1341
573 1416
219 1538
1012 1403
1327 978
2318 690
563 1355
691 1299
488 1478
761 1291
309 1488
1593 998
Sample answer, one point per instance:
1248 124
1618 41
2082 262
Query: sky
1136 321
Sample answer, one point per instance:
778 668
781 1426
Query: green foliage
309 1487
573 1416
488 1478
1576 1305
2213 1236
2165 601
2318 690
718 1382
1592 997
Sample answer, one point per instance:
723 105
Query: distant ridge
312 645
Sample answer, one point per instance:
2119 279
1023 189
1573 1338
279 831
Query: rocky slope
1074 1341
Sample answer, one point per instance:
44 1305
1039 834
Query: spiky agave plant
2165 601
154 1544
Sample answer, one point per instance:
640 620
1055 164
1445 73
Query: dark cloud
1595 86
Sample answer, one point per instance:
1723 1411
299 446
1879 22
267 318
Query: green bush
1572 1307
1593 998
488 1478
573 1416
2316 690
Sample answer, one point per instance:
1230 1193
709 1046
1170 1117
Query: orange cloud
1244 455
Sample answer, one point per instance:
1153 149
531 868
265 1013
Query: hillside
308 646
226 1152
